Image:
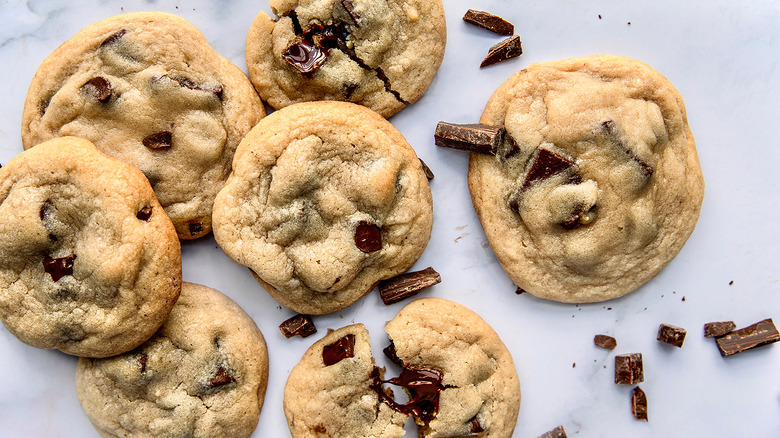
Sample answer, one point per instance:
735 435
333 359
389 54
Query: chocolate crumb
519 290
488 21
142 360
671 335
509 48
717 329
407 285
628 369
605 341
475 426
639 404
298 325
558 432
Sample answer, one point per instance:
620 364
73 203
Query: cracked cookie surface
147 88
325 200
459 377
597 185
89 262
379 53
203 374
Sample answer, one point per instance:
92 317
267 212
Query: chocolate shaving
545 165
488 21
298 325
671 335
195 228
407 285
639 404
474 137
509 48
424 386
158 141
754 336
628 369
427 170
475 426
717 329
605 341
113 38
221 378
368 237
558 432
59 267
99 87
144 214
336 352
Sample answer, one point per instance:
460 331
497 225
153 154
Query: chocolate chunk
368 237
558 432
186 83
427 170
350 8
475 426
59 267
639 404
545 165
142 360
159 140
488 21
473 137
613 132
99 87
671 335
423 386
304 56
298 325
195 228
509 48
717 329
113 38
519 290
605 341
221 378
574 220
144 214
628 369
407 285
574 179
349 90
336 352
754 336
391 354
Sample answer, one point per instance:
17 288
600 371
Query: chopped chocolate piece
99 87
407 285
475 426
304 56
639 404
195 228
612 130
509 48
336 352
221 378
59 267
574 220
159 140
671 335
298 325
488 21
423 386
628 369
113 38
368 237
144 214
605 341
717 329
473 137
427 170
391 354
350 8
558 432
142 360
519 290
545 165
757 335
574 179
186 83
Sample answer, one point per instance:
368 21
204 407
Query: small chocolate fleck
605 341
573 221
754 336
671 335
612 130
427 170
716 329
159 140
304 56
628 369
349 90
509 48
298 325
558 432
545 165
519 290
195 228
639 404
221 378
59 267
336 352
142 360
368 237
407 285
320 428
113 38
488 21
99 87
473 137
144 214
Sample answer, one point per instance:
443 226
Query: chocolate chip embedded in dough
304 56
195 228
99 87
475 426
350 8
59 267
221 378
113 38
144 214
159 140
186 83
368 237
545 165
336 352
142 360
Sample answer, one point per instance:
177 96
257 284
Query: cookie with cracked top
325 200
459 377
597 185
378 53
89 262
147 88
204 373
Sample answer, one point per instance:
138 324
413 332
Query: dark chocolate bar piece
757 335
558 432
488 21
628 369
298 325
717 329
671 335
605 341
342 349
473 137
546 164
407 285
510 48
639 404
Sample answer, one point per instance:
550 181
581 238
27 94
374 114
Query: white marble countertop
723 58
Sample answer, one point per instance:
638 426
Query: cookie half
204 373
325 200
148 89
597 185
89 262
379 53
459 378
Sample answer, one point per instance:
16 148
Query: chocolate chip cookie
459 378
89 262
325 200
203 374
597 184
147 88
379 53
